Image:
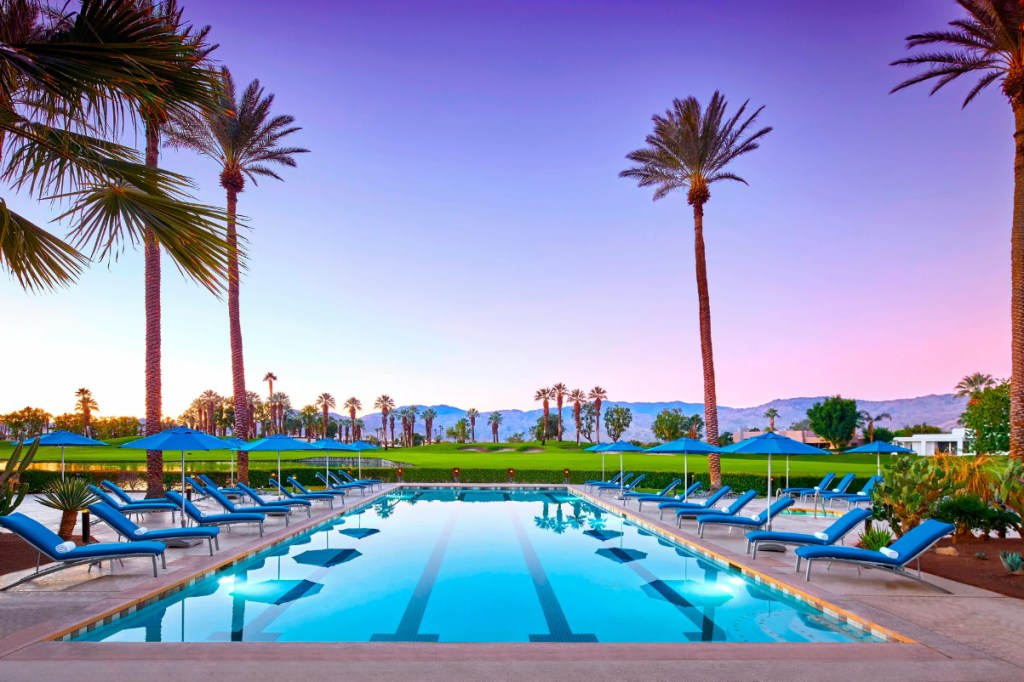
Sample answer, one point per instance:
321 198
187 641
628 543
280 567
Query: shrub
970 513
910 489
69 496
1012 562
876 538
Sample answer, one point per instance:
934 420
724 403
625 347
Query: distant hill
940 410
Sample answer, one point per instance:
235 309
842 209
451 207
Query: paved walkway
969 635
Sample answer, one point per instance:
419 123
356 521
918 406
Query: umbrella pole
878 469
183 503
787 471
769 490
279 473
622 492
602 467
62 462
327 469
359 473
686 476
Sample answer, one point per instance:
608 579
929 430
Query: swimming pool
478 565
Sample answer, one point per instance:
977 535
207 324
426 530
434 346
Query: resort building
928 444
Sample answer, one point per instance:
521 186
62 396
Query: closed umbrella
621 446
279 443
328 444
359 446
771 443
879 447
179 438
685 447
63 439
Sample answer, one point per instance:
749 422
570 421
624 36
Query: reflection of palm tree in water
598 522
559 524
543 521
386 508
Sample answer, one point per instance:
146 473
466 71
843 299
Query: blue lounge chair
327 491
135 506
334 483
895 558
229 506
807 492
67 554
227 490
116 490
830 536
681 497
665 492
258 499
757 521
372 481
309 497
735 507
202 518
707 503
862 495
613 480
624 487
127 529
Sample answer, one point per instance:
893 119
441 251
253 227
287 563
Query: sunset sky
458 233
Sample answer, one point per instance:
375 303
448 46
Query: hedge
655 480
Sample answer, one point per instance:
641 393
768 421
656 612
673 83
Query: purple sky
459 233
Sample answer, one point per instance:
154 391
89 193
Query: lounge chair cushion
786 538
847 554
174 533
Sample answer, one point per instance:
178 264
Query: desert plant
966 511
876 538
911 487
969 475
981 556
12 487
1008 489
1012 562
69 496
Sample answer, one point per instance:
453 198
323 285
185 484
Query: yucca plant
12 489
69 496
876 538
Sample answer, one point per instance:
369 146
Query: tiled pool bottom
451 565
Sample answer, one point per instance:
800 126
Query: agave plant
69 496
876 538
12 489
1012 562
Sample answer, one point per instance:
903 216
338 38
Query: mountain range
939 410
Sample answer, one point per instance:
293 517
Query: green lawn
552 456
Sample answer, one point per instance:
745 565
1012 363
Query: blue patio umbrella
179 438
685 447
771 443
620 446
600 447
328 444
359 446
63 439
234 444
879 447
278 443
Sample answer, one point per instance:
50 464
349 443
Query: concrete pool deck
970 634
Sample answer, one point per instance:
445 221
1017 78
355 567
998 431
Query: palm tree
86 404
391 421
690 150
429 415
270 377
472 414
494 419
770 414
353 404
210 399
412 411
973 383
385 404
325 401
243 139
280 404
597 395
987 43
578 396
560 391
866 421
544 395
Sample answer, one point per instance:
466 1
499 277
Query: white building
935 443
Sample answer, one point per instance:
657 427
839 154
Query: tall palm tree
210 399
325 401
867 421
690 149
280 404
972 383
544 395
598 395
86 404
412 411
385 404
242 137
578 396
429 415
770 414
472 413
560 390
987 43
494 419
352 405
270 377
391 421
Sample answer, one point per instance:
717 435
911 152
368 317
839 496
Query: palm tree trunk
1017 292
154 390
559 420
706 352
67 524
235 326
597 412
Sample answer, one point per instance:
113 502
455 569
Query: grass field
523 456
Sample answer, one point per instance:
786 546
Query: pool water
449 565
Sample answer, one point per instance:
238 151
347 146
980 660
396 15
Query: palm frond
38 260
